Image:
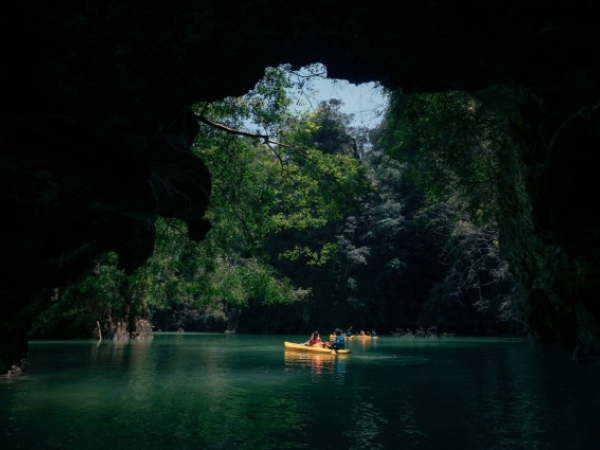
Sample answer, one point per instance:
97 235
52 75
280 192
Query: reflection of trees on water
152 395
383 412
141 373
509 414
366 427
207 394
216 400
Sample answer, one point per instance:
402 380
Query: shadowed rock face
95 128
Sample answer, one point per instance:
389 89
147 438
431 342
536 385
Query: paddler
315 340
338 343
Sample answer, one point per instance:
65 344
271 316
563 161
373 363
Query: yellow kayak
292 346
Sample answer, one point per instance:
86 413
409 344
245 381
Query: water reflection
213 392
364 343
507 394
320 364
365 427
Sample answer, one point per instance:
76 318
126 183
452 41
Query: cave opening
308 87
96 144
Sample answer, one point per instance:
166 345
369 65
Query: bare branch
322 74
265 137
229 130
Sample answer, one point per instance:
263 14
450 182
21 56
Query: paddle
334 350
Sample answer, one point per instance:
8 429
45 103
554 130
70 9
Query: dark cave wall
95 124
549 218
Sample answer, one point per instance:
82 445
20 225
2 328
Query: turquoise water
209 391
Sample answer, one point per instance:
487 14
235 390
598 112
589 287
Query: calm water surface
208 391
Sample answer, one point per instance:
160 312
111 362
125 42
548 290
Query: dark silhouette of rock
96 127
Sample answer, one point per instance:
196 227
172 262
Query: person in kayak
338 343
315 340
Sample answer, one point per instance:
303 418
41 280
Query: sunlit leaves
312 257
264 186
235 281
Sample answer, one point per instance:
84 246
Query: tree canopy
317 223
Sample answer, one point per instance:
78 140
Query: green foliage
238 281
413 250
313 258
450 143
261 187
177 271
388 226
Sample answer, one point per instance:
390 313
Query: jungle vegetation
317 223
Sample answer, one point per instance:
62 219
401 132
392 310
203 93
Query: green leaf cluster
261 186
449 142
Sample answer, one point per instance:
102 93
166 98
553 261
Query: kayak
291 356
354 336
292 346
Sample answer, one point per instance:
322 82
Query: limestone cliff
95 125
